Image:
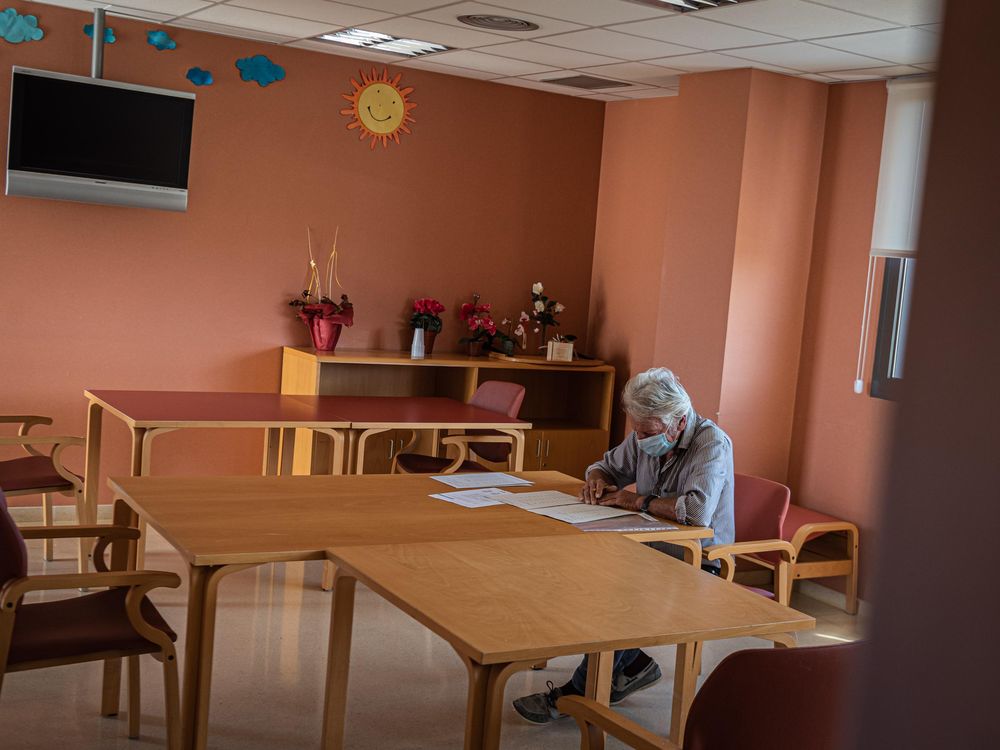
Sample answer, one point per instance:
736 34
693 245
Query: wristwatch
644 508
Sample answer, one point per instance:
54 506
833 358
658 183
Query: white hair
656 394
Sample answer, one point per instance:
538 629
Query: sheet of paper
480 498
481 479
534 500
581 512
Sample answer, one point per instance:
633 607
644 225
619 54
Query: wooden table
600 593
221 525
371 415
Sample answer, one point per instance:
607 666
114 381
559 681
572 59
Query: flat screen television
98 141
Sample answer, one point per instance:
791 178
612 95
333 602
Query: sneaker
623 686
540 708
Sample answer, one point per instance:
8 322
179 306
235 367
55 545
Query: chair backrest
13 551
774 699
759 506
501 397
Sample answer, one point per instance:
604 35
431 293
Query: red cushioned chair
494 395
759 699
825 547
759 506
107 625
39 473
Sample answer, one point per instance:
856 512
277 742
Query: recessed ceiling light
686 6
375 40
499 23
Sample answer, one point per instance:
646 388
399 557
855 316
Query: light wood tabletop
505 604
221 525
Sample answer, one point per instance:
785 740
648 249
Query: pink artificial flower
467 310
524 317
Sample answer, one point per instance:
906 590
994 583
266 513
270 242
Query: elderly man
682 466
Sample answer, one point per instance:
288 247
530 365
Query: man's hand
596 488
621 499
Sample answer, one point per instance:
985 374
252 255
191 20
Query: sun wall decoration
379 109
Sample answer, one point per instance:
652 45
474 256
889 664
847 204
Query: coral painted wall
496 188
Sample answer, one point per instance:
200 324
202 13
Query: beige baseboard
826 595
61 514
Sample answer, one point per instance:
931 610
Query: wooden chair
824 547
107 625
41 473
759 506
494 395
758 699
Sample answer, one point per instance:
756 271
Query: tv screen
98 131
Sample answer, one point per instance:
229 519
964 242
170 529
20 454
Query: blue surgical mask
656 445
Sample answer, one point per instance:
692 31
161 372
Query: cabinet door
571 451
534 447
379 450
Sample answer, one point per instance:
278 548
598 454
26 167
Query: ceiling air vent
499 23
687 6
587 82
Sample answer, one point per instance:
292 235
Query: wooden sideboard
569 406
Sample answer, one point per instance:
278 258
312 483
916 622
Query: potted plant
427 318
479 320
324 317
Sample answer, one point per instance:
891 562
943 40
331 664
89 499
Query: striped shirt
698 473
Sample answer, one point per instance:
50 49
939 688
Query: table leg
287 451
91 478
337 452
493 713
352 451
517 454
338 662
475 706
203 593
142 457
684 685
272 449
359 449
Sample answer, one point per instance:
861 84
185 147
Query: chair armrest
589 713
58 443
75 532
718 551
13 590
27 421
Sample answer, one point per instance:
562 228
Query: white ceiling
638 44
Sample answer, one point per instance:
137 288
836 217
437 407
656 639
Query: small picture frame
559 351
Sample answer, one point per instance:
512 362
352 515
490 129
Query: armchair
504 398
108 625
41 473
803 704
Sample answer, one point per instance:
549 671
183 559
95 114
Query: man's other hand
596 489
621 499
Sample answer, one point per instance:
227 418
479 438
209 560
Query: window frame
892 308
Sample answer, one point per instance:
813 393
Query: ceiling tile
604 97
658 93
399 6
904 46
219 28
795 19
429 31
546 25
451 70
889 71
703 61
695 32
625 46
140 15
633 71
350 54
502 66
322 11
809 58
908 12
566 73
270 23
588 13
166 7
545 54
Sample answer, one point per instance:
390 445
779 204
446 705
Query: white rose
536 288
540 306
559 307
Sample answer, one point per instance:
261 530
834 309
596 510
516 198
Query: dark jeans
626 657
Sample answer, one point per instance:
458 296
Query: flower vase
325 333
476 348
429 337
417 347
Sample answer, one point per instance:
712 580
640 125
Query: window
893 323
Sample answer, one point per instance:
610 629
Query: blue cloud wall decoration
160 39
16 28
260 69
200 77
109 33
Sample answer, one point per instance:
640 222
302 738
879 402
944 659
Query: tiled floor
407 686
